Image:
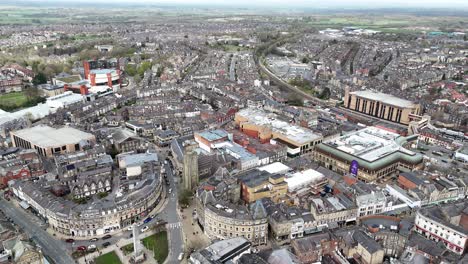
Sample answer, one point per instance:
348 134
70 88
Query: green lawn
109 258
14 98
127 249
158 244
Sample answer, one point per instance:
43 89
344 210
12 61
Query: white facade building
371 204
429 223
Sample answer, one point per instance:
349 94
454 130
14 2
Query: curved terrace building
224 220
377 153
118 210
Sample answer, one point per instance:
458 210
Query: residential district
232 140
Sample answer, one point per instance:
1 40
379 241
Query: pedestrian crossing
174 225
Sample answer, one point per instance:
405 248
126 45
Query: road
174 225
292 88
53 248
232 69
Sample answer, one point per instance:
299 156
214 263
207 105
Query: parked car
94 239
81 248
91 247
147 220
181 256
70 240
106 237
106 244
130 228
144 229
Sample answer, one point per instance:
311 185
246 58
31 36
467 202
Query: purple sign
353 169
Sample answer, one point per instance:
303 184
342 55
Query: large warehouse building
374 153
267 126
49 141
383 106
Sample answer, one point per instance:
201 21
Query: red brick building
19 164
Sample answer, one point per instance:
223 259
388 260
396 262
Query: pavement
195 238
51 247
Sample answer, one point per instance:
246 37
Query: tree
31 93
40 78
131 70
184 198
146 65
305 60
137 78
160 71
113 151
325 94
295 99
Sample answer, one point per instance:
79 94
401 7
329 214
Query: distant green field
13 99
386 23
232 48
109 258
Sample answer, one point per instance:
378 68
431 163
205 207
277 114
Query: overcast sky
452 4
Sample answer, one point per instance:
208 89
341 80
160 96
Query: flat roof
102 71
66 98
300 178
296 133
224 247
46 136
369 144
385 98
213 134
275 167
137 159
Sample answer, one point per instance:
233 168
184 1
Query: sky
451 4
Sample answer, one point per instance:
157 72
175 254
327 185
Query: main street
51 247
174 226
